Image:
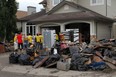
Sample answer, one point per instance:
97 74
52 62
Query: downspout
110 31
96 30
106 8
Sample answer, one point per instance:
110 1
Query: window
97 2
109 2
31 30
55 2
93 1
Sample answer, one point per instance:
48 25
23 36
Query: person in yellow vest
37 41
15 42
40 41
29 39
57 38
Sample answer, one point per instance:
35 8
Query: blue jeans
41 46
37 45
25 44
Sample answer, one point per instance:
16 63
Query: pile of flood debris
97 55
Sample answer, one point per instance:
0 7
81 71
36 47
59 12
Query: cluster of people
21 41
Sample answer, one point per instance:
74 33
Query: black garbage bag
38 59
74 49
52 58
30 51
88 50
24 59
78 62
108 53
113 55
13 58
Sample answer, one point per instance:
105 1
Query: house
19 15
91 17
32 14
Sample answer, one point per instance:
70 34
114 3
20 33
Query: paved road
7 74
13 70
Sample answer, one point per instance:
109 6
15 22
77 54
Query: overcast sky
24 3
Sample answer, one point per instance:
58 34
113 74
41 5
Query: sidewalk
47 72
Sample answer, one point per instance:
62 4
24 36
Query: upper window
109 2
55 2
97 2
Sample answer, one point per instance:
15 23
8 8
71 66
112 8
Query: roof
21 14
43 2
85 14
33 16
70 16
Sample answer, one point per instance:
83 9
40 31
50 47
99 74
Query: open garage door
84 31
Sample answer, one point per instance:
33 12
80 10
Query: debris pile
69 56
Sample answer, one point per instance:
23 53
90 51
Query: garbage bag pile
65 56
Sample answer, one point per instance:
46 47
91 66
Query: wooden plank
107 59
111 65
110 62
41 62
51 64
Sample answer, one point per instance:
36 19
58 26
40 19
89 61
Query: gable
66 9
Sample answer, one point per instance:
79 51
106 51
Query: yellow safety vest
30 39
37 38
57 37
40 38
15 38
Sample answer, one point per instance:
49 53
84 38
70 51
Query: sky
24 3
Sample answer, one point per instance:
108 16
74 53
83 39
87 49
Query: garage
84 31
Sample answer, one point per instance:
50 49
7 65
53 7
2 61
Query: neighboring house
19 15
91 17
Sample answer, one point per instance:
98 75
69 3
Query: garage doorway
84 31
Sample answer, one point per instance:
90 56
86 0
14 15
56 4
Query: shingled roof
21 14
33 16
70 16
43 2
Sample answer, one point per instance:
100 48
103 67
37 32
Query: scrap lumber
110 62
112 66
41 62
52 64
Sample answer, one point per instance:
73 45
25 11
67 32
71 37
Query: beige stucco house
91 17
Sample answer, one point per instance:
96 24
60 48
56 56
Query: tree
8 11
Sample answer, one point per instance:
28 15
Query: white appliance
49 38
